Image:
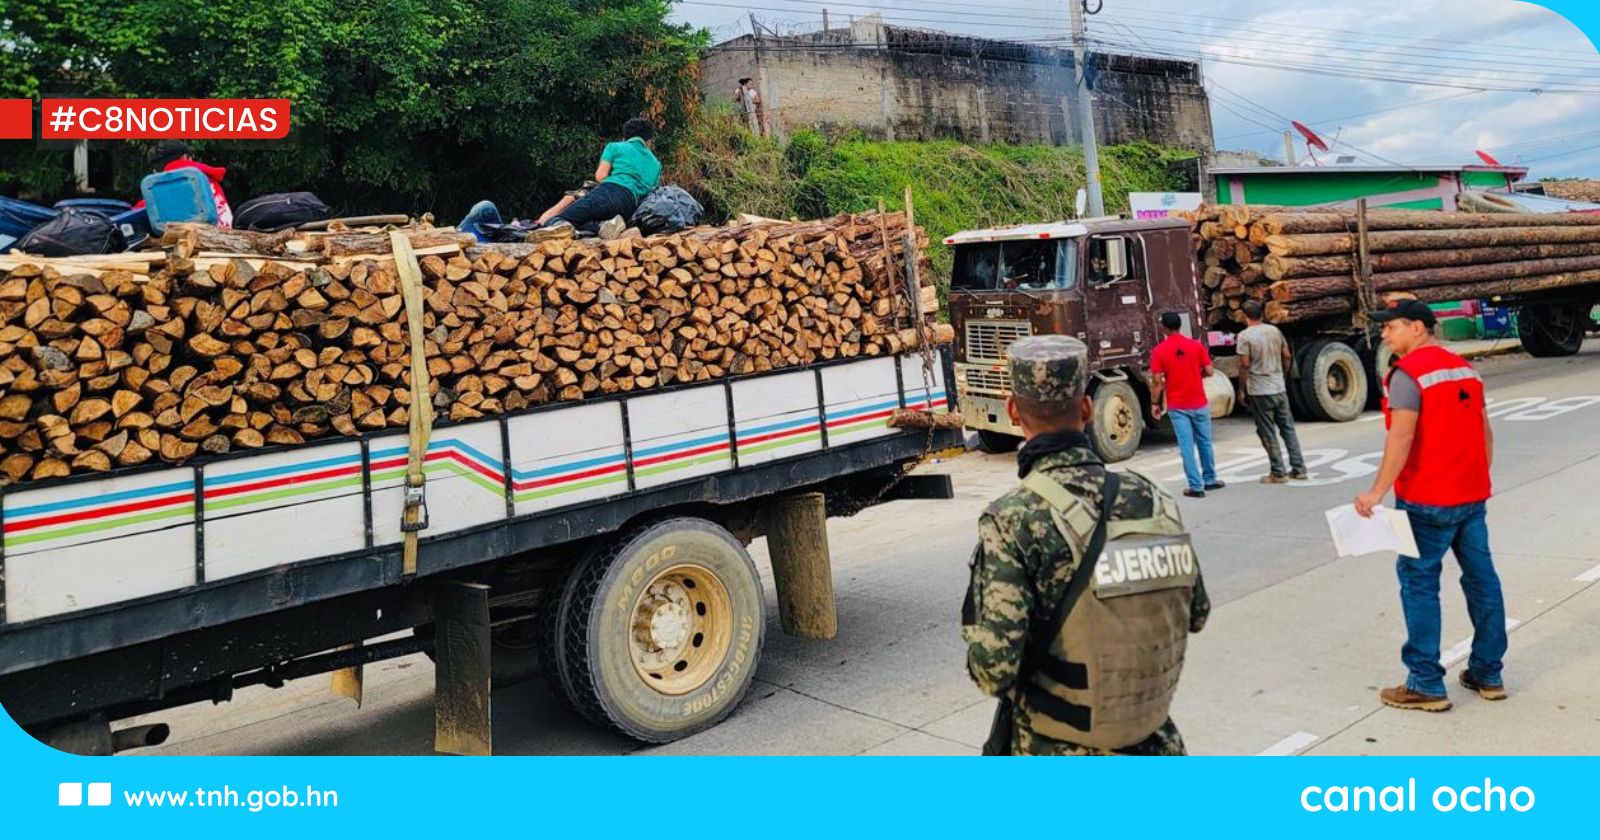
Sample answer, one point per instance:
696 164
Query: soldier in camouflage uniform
1022 565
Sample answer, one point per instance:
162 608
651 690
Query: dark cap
1409 308
1171 320
1049 368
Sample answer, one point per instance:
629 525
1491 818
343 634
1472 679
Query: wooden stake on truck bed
420 411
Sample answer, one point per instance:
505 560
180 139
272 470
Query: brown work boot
1402 697
1487 692
1274 478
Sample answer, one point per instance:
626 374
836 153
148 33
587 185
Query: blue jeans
1460 529
482 213
1193 427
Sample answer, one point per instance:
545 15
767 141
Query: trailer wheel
1333 382
1117 425
662 631
1295 377
1548 331
997 443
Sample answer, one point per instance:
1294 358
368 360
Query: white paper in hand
1387 530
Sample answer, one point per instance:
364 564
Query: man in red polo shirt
1178 369
1437 459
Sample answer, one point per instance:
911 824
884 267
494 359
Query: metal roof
1518 171
1048 230
1062 230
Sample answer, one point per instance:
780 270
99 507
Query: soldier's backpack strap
1164 515
1039 641
1074 518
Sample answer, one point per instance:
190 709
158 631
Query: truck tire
1549 331
662 630
1377 359
1333 382
997 443
1293 380
1117 425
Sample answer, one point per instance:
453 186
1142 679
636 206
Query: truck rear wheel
660 633
1548 331
997 443
1333 382
1117 424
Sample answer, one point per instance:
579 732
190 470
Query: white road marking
1290 745
1590 576
1461 649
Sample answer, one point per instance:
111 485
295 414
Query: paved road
1297 647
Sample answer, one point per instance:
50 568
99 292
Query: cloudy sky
1392 81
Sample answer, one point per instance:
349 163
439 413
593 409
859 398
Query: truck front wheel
1548 331
1333 382
660 633
1117 425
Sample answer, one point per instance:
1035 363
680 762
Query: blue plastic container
1496 322
182 195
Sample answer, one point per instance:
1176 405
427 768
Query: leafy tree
396 104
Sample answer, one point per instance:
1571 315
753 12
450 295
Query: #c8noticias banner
150 119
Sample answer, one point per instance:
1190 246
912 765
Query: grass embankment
954 186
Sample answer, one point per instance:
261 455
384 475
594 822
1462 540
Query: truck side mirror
1117 258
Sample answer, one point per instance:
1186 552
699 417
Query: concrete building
913 84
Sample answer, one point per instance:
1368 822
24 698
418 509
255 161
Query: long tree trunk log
1518 286
186 239
1277 224
345 244
1286 268
1279 312
1309 244
1310 288
1401 281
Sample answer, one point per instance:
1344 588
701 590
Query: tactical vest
1108 677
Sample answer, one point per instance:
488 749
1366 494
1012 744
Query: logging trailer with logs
1317 270
213 476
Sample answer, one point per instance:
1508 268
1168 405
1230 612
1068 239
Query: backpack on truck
279 211
72 233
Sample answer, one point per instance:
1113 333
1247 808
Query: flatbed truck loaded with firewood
1318 272
581 514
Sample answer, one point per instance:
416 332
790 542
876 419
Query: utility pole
1091 154
1288 149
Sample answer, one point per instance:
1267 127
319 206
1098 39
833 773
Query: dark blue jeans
1462 530
604 202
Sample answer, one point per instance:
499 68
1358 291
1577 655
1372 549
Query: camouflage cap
1049 368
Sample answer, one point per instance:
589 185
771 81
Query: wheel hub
663 622
682 627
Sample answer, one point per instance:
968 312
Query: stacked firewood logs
1304 262
230 340
1230 263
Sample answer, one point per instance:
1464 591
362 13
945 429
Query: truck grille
988 341
983 381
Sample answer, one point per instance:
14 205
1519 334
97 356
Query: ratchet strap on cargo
414 517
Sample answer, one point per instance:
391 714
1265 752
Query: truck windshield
1022 265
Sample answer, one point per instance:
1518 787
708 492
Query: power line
1352 73
1400 107
1384 56
1509 71
1588 53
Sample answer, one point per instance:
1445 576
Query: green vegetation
396 104
955 186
